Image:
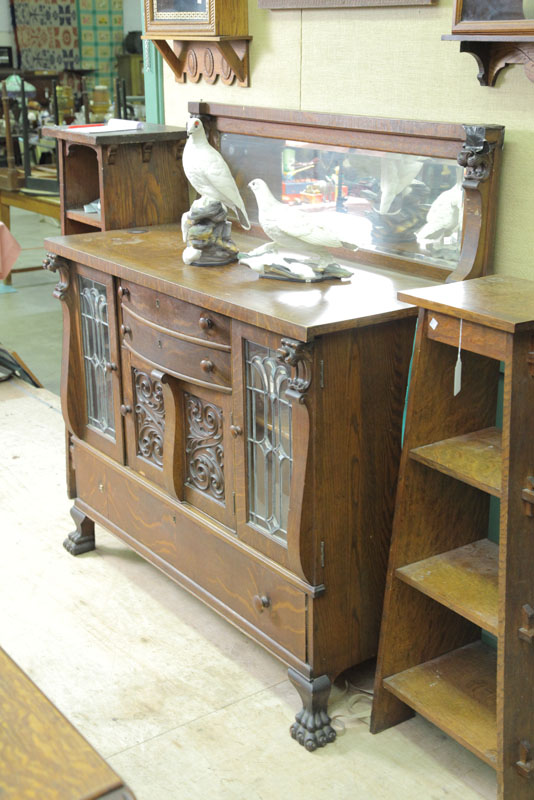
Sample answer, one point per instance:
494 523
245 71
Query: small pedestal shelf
448 585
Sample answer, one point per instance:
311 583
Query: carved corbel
111 154
476 157
54 263
71 344
297 355
525 765
146 149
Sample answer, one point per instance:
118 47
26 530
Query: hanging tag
458 367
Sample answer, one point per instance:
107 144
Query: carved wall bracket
493 56
54 263
299 356
220 57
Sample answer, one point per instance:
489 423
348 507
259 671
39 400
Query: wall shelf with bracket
224 57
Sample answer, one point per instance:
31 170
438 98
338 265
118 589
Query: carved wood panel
149 417
204 449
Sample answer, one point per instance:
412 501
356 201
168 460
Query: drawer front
179 357
91 480
176 314
270 604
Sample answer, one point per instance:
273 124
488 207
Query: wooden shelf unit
136 174
447 582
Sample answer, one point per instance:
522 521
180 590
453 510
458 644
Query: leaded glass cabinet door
99 361
265 452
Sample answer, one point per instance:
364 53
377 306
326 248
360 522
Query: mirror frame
477 148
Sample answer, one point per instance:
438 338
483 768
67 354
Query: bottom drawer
257 594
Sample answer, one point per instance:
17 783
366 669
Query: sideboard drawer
180 357
178 315
270 604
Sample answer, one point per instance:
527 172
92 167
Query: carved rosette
204 449
149 417
54 263
476 155
297 355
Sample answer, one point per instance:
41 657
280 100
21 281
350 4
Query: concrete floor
30 317
181 704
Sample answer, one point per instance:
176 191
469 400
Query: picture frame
185 19
280 4
499 18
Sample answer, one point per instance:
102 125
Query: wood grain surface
41 754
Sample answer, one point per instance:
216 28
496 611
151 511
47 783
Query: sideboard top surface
152 257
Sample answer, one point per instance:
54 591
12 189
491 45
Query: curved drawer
177 315
177 356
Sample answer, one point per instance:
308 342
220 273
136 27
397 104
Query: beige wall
388 62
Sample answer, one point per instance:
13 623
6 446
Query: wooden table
47 206
41 753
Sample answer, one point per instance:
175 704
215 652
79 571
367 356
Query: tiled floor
182 705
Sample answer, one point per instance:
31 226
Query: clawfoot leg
312 727
83 538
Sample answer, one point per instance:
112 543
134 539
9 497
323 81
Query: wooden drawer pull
111 366
260 603
124 292
206 323
125 329
236 430
125 410
207 365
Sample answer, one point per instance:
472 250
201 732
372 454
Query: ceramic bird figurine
443 216
208 173
395 177
291 229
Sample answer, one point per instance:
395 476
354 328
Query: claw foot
83 538
312 727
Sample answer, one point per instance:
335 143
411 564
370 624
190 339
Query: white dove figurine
290 228
208 173
395 177
443 216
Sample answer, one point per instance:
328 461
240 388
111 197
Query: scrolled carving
149 417
476 155
299 356
204 446
54 263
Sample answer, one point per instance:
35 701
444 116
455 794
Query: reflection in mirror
487 10
403 206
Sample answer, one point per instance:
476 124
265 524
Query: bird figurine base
206 232
269 262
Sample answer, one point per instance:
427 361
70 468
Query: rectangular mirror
403 206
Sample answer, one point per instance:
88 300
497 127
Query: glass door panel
100 363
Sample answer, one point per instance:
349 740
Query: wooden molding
218 57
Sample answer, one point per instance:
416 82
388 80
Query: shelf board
94 219
464 579
457 692
474 458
